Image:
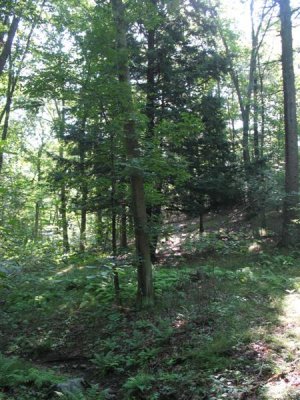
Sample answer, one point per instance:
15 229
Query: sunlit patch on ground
286 384
261 349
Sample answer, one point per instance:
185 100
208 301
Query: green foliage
109 362
65 153
14 372
139 383
205 317
212 243
215 355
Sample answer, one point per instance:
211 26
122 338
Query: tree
7 44
211 164
290 123
16 63
126 111
245 93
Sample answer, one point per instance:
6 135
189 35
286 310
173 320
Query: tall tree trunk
62 189
14 79
36 221
201 223
6 51
63 209
290 122
258 35
156 224
64 219
114 216
123 227
151 94
153 211
262 109
255 121
113 223
6 111
84 196
99 228
113 197
145 283
36 230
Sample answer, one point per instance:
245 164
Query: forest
149 189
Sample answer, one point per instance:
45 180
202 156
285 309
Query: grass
210 334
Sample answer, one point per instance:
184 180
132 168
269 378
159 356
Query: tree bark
151 95
255 121
263 109
63 210
4 22
6 51
13 80
123 227
258 35
84 196
290 122
7 110
201 223
38 202
145 283
99 228
153 211
114 217
62 190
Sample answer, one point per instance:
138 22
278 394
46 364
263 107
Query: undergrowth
198 342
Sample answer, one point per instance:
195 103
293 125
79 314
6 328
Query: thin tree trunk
290 122
113 197
4 22
7 110
84 196
145 283
123 227
38 202
63 210
99 228
255 121
263 110
232 122
64 220
245 101
36 221
151 94
114 217
153 211
156 223
13 80
62 190
201 223
113 225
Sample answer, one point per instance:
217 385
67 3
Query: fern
14 372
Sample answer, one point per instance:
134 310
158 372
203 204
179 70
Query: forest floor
226 323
